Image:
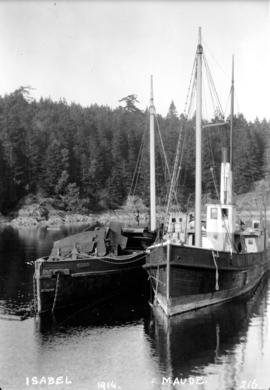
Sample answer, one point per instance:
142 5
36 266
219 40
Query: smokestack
225 155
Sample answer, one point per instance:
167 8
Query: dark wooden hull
202 338
67 282
138 238
186 278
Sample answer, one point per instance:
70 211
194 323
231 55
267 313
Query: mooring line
214 259
56 291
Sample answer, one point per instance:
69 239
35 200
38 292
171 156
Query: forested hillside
86 156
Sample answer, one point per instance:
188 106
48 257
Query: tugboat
214 262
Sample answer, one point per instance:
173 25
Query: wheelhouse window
214 213
225 213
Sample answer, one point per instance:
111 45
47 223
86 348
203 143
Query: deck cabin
220 230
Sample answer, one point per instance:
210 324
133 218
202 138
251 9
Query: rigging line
190 84
140 161
137 163
139 169
175 169
236 100
189 98
214 58
210 146
210 149
163 149
232 242
213 85
227 102
183 129
204 106
190 95
209 84
159 181
164 160
161 163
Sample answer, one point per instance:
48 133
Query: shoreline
127 218
68 219
41 213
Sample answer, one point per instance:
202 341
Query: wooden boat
213 263
206 337
90 266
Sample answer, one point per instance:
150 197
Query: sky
91 52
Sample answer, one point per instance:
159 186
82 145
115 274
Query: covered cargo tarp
115 237
100 241
83 242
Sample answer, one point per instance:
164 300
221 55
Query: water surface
122 344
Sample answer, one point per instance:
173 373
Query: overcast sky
98 52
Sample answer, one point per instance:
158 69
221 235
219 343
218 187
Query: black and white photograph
134 195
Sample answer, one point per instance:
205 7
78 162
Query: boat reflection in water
118 311
191 348
120 340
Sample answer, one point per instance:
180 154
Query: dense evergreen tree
88 155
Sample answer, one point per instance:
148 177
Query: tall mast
198 184
152 161
231 115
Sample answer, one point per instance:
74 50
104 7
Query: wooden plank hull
190 278
200 338
87 280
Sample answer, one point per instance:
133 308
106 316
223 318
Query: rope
213 162
136 173
228 234
165 170
163 149
212 85
208 51
182 134
109 261
56 292
34 293
127 262
152 277
190 87
214 259
157 283
175 170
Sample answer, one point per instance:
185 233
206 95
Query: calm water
122 344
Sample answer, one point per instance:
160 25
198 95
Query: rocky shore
36 214
37 211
